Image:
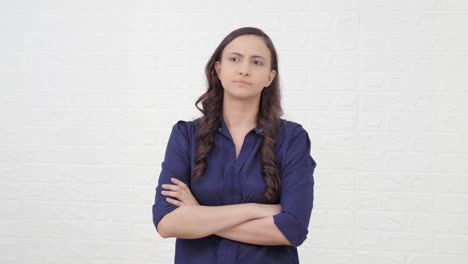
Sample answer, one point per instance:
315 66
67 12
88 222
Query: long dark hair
268 117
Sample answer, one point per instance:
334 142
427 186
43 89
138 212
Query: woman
236 184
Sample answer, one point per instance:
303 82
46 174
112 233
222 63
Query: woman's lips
242 82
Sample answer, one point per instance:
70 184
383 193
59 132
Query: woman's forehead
247 46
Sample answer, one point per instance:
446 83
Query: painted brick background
91 89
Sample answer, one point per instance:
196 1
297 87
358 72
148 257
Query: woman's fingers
176 194
178 182
168 193
171 187
174 202
179 190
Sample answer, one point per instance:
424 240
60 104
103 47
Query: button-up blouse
228 180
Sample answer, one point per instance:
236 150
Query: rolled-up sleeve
297 188
176 164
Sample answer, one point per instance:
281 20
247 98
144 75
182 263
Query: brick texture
91 89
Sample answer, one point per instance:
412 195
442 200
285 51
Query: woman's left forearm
260 231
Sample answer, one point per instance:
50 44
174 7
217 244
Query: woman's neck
239 114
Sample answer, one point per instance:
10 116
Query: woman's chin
241 94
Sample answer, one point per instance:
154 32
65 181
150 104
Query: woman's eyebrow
253 56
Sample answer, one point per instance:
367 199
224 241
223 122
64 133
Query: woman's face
245 58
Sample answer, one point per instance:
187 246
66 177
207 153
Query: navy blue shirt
229 181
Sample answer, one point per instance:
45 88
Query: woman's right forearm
197 221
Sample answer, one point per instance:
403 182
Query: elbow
163 228
161 231
299 237
294 231
164 235
297 242
167 224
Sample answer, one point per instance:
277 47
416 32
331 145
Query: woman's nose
244 69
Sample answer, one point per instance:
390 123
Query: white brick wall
90 91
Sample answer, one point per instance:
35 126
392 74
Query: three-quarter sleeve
297 188
176 164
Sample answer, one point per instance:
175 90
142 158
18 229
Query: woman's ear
272 77
217 67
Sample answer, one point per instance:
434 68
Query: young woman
237 184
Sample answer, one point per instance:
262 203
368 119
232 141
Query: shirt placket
227 250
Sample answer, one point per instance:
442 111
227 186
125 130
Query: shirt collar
223 128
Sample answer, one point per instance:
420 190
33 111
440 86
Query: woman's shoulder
289 128
186 127
188 124
291 136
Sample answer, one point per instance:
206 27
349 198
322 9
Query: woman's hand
179 190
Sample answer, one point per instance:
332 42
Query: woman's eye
256 62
